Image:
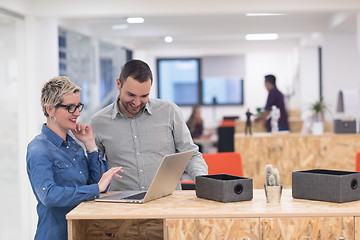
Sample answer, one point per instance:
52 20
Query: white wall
41 64
341 66
309 77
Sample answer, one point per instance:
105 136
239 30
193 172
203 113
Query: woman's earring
53 119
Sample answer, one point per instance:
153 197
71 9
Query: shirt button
135 136
43 188
142 187
74 159
67 146
141 170
80 172
137 153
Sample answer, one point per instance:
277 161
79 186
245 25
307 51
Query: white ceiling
211 29
197 23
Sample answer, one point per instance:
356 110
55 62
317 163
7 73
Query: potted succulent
318 109
273 186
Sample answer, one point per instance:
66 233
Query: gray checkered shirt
139 144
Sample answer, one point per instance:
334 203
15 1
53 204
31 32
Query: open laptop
164 183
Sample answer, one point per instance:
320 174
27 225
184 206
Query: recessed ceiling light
263 14
168 39
135 20
120 27
262 36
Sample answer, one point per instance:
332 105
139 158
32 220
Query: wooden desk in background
207 143
293 152
295 125
184 216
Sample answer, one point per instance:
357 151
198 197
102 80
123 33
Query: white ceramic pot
317 128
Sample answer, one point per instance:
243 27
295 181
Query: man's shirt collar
116 109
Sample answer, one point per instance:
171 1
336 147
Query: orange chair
357 162
228 123
224 162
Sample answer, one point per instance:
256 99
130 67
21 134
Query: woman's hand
84 133
107 176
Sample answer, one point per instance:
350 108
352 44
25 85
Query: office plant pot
273 193
317 128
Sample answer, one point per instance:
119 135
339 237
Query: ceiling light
168 39
120 27
263 14
135 20
262 36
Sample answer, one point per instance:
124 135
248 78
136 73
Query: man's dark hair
136 69
271 79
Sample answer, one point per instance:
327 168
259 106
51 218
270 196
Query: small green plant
272 176
319 108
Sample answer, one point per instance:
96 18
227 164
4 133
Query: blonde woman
60 173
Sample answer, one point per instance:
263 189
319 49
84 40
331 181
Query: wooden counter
295 125
184 216
293 152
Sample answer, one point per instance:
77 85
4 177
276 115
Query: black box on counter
342 126
326 185
224 188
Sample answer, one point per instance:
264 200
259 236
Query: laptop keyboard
137 196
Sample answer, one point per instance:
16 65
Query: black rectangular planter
326 185
344 126
224 188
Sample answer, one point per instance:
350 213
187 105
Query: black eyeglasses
71 108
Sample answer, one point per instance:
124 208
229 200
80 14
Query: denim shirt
61 177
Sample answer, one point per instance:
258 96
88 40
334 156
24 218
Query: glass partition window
221 90
111 59
79 58
179 80
76 61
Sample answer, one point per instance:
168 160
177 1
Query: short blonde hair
53 91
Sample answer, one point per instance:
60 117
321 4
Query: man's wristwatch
95 149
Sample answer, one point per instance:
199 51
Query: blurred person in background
275 98
195 123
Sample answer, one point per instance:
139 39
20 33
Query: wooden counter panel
293 152
357 227
109 229
213 229
77 229
307 228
